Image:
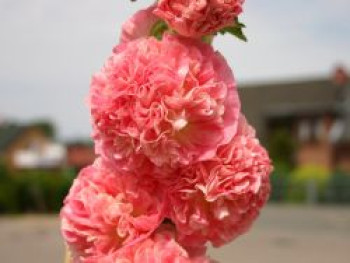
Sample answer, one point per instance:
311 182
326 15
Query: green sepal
208 39
236 29
158 29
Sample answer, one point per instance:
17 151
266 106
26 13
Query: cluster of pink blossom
196 18
179 166
189 18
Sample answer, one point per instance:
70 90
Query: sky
50 49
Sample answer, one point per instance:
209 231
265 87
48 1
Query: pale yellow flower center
179 124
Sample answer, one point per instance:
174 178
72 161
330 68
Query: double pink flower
175 104
196 18
107 210
189 18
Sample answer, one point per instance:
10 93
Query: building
29 147
314 114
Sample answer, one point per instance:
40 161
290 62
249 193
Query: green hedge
33 191
279 181
44 191
310 184
338 190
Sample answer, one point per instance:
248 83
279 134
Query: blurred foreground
282 234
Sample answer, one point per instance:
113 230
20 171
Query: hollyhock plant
172 102
160 247
105 210
196 18
178 166
217 200
139 25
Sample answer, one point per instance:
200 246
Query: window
304 130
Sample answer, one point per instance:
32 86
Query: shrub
33 191
42 191
308 183
8 197
281 146
279 182
338 189
8 192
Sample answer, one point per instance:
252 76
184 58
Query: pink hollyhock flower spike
218 200
196 18
174 105
105 211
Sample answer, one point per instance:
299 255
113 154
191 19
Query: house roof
8 133
290 98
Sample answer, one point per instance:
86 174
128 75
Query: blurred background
293 77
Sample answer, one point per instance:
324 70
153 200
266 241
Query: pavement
282 234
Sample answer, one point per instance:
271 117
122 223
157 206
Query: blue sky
49 50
